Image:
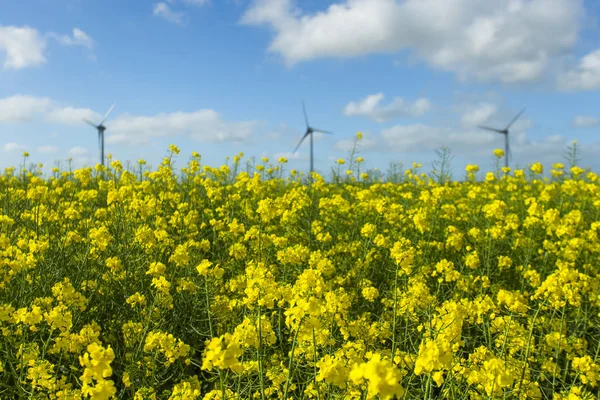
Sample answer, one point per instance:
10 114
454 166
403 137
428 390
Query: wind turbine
309 132
101 128
505 132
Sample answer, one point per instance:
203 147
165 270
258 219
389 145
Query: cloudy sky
224 76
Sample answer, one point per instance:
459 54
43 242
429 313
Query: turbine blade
90 122
514 119
305 115
108 112
322 131
487 128
301 140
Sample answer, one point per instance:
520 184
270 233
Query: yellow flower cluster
238 282
96 362
222 353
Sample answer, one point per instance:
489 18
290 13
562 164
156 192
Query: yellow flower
161 284
472 168
100 237
490 176
433 355
222 353
381 376
246 333
589 371
136 298
41 375
203 267
59 318
187 389
576 171
499 153
370 293
156 269
333 370
368 230
96 362
167 345
536 168
494 375
126 379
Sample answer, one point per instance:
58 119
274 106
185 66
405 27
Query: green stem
208 306
315 361
395 310
259 356
287 381
428 387
528 347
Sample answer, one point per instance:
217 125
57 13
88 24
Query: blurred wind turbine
505 132
101 128
309 132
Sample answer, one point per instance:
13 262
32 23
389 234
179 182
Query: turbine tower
309 132
505 132
101 128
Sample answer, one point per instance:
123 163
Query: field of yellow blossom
211 283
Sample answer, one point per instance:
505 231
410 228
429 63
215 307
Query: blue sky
220 77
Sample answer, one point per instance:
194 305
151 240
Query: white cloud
79 38
289 155
48 149
419 137
584 121
289 134
272 135
203 125
509 41
163 10
78 151
407 142
427 138
200 3
23 47
197 2
367 143
478 114
122 138
12 147
371 108
20 108
82 160
585 76
25 108
71 115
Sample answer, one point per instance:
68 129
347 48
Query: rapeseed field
211 283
